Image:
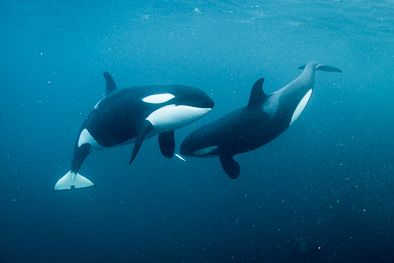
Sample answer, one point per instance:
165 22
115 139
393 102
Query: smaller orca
131 115
264 118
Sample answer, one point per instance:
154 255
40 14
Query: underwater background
321 192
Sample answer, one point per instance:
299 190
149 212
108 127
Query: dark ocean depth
321 192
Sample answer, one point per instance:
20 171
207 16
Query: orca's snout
202 100
210 102
185 147
198 144
190 144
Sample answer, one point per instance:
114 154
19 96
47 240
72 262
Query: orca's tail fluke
322 67
72 180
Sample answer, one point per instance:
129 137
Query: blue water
321 192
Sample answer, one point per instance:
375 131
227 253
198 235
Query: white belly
301 106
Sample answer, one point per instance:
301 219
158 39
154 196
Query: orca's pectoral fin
167 143
328 68
146 127
230 166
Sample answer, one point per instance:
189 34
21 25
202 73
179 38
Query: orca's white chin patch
205 151
158 98
301 106
173 116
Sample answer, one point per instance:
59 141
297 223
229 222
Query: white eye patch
158 98
206 150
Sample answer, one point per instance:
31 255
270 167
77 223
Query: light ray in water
180 157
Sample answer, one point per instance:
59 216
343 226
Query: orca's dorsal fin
257 95
110 83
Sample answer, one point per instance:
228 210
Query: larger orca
264 118
131 115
